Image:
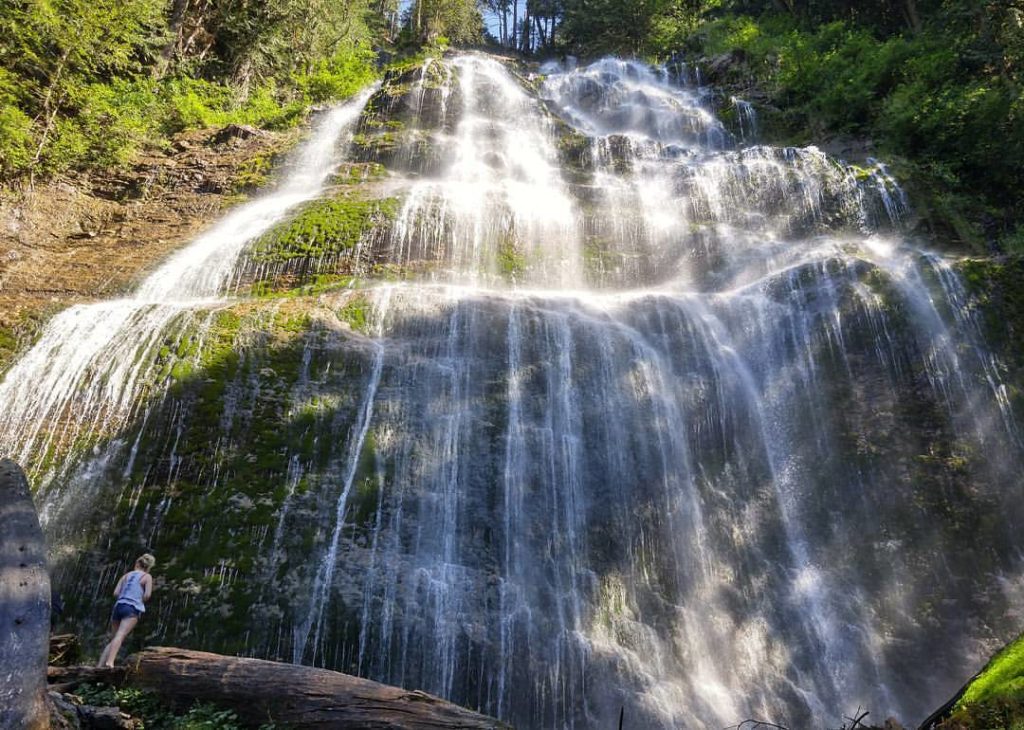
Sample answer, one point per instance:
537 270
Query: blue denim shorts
122 611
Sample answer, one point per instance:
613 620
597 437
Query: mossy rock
323 228
8 346
995 697
207 507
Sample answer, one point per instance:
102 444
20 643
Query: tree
55 48
457 20
595 26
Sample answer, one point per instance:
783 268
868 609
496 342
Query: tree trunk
911 15
288 695
24 606
526 32
176 36
515 24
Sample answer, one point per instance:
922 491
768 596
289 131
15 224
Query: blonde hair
146 561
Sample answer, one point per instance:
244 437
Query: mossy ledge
323 228
327 243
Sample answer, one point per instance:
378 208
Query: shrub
338 77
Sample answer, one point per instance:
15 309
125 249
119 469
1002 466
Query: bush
338 77
155 715
15 139
195 103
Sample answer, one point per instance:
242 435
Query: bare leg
106 649
110 653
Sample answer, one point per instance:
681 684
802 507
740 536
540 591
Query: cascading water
87 365
650 420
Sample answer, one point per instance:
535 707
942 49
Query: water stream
654 417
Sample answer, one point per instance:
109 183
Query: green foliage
53 56
511 262
154 714
253 42
1002 677
15 127
440 22
339 76
194 103
89 82
633 28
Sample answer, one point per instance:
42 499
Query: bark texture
289 695
24 605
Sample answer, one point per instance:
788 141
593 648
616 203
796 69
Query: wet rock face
555 399
24 605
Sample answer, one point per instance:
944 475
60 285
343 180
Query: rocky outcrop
24 605
92 235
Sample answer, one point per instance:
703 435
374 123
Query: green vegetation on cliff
89 83
323 228
1002 677
995 698
944 99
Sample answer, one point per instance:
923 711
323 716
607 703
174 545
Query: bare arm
147 583
120 584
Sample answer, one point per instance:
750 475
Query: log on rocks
261 691
24 605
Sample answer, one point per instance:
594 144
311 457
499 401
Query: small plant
155 715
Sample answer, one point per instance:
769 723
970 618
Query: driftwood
24 605
260 692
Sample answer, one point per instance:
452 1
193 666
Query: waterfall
618 408
87 365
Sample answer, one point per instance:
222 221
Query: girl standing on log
132 592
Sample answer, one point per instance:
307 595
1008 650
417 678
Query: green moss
998 287
293 322
8 346
1002 677
511 262
317 284
355 173
21 333
367 486
356 312
323 228
255 173
378 142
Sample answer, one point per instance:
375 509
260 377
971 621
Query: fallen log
68 677
290 695
24 605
